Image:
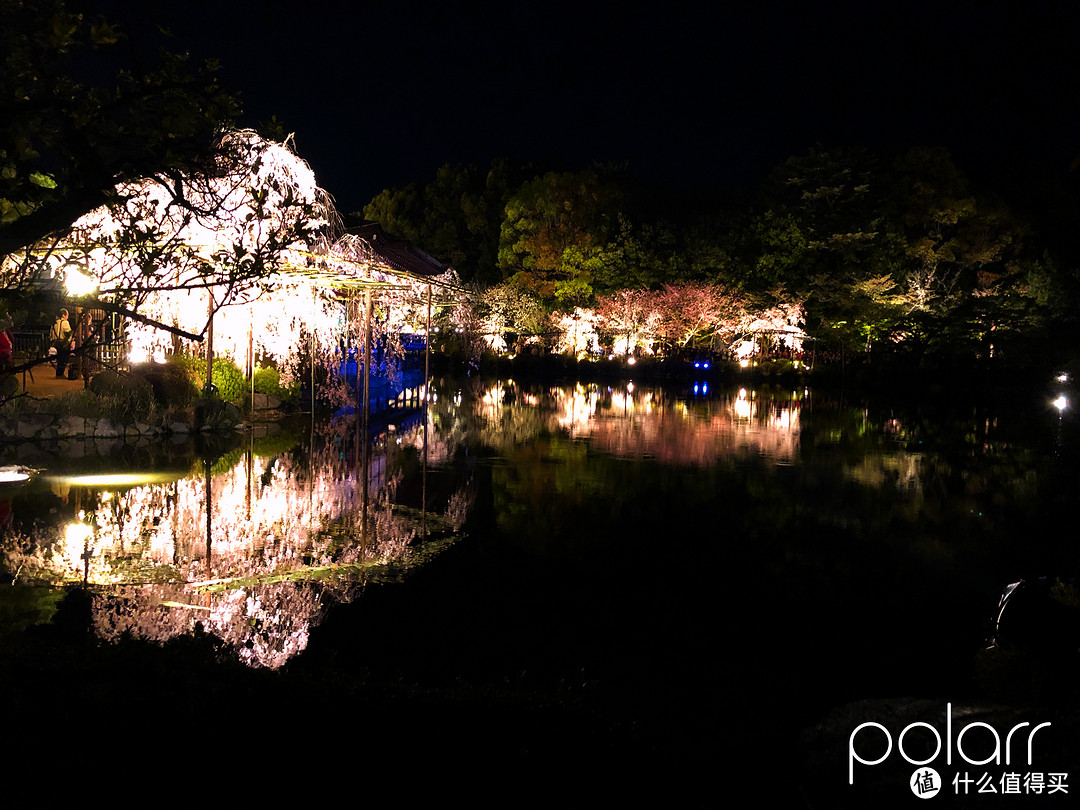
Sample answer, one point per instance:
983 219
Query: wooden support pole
209 342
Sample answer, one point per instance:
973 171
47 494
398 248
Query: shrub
111 383
125 405
123 398
86 403
227 378
171 383
268 381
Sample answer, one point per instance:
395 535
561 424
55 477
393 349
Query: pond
694 576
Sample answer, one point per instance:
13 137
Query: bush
215 414
83 403
171 383
268 381
123 398
227 378
122 404
112 383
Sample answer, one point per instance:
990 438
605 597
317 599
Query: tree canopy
890 251
84 110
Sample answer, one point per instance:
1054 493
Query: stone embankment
206 416
44 426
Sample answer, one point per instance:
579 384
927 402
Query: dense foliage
85 109
891 253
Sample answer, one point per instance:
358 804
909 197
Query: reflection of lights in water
113 479
272 523
1061 403
635 426
77 545
744 408
77 533
782 419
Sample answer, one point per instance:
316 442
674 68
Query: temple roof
396 254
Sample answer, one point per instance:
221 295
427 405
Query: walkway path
45 383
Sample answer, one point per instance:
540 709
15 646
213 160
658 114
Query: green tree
775 248
82 112
821 238
400 212
959 272
455 217
551 230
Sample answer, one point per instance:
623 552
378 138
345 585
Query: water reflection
249 544
255 540
629 422
574 459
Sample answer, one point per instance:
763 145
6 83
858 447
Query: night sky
380 94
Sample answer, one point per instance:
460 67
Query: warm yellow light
116 479
78 282
77 533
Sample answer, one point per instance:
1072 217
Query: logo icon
925 782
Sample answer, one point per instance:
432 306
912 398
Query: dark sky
379 94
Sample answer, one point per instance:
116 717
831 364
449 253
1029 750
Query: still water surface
687 560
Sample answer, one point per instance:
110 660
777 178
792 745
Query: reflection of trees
266 624
630 422
285 530
744 467
911 469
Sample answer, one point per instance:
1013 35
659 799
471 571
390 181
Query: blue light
697 365
706 365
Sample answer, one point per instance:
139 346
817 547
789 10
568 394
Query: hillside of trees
882 254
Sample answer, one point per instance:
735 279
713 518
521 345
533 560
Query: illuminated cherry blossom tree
698 313
633 318
578 333
170 251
